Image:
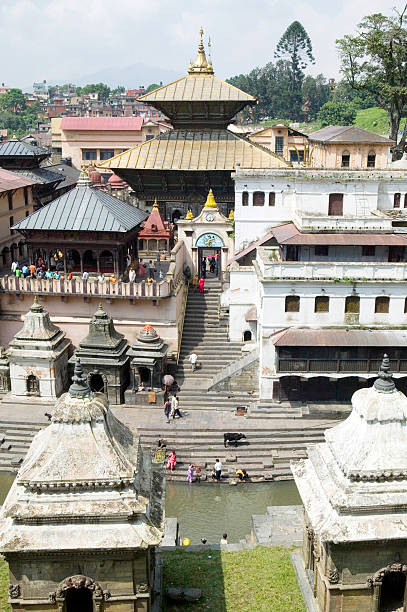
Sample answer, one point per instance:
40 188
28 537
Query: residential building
4 89
87 140
282 140
16 203
40 90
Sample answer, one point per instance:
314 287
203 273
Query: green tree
101 89
152 87
119 89
344 92
336 113
374 60
295 47
13 100
315 92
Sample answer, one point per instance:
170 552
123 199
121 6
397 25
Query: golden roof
232 215
198 87
196 150
210 201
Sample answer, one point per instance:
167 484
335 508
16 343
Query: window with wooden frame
371 159
245 198
396 200
405 306
321 303
405 200
352 304
382 304
10 200
292 303
368 251
345 159
258 198
272 198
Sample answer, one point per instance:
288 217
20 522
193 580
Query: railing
333 271
338 365
85 288
307 221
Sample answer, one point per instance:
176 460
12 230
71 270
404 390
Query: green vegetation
4 582
336 113
258 580
373 119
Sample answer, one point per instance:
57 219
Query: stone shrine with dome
148 359
81 522
104 358
354 491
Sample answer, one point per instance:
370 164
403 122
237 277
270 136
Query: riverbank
256 580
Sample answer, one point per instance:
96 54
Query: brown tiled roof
348 134
211 149
13 180
339 337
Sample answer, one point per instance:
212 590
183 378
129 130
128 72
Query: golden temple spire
189 215
201 65
232 215
155 205
210 201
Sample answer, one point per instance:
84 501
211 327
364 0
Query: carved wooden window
258 198
321 303
335 207
272 198
292 303
245 198
382 304
396 200
352 304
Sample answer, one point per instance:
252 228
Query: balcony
330 271
308 222
327 366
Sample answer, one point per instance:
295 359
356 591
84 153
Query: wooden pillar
65 268
116 262
98 261
81 256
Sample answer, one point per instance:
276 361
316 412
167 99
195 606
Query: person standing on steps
218 469
201 285
174 407
167 410
151 270
224 539
193 358
190 473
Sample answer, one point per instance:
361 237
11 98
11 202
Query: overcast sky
58 39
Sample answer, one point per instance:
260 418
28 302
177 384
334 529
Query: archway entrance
145 376
79 600
392 592
209 262
96 383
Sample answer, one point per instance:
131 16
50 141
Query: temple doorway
33 385
210 261
96 383
392 592
145 376
79 600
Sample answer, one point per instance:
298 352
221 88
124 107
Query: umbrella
168 380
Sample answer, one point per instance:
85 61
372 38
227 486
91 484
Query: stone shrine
354 491
148 363
103 354
4 371
81 521
39 356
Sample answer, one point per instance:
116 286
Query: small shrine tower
103 354
354 491
39 356
81 521
156 236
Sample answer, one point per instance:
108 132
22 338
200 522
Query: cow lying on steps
232 437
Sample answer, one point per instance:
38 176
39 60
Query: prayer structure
354 491
148 363
81 521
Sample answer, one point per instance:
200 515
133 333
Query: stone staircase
15 438
266 453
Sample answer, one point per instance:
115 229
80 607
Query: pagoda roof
20 148
200 87
155 226
210 149
84 208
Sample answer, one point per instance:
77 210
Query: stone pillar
98 261
376 597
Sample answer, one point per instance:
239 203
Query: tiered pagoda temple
181 165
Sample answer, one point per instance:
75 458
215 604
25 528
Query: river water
209 509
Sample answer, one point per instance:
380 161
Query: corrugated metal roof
198 88
13 180
102 123
339 337
196 150
41 175
19 148
251 247
84 209
348 134
289 234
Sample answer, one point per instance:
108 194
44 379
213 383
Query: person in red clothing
201 285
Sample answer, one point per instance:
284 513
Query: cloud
53 40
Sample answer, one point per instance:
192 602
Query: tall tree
315 92
336 113
13 100
295 47
375 61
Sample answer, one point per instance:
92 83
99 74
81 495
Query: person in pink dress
190 473
172 461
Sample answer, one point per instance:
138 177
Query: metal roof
20 148
210 149
12 180
197 88
41 175
289 234
84 209
102 123
339 337
348 134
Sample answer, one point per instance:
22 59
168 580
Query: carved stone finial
385 382
79 386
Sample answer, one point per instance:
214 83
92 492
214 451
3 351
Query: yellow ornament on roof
232 215
155 205
210 201
189 215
